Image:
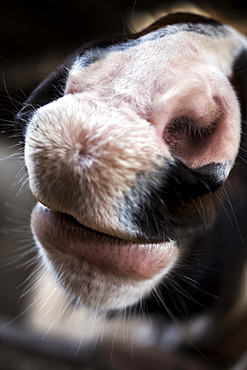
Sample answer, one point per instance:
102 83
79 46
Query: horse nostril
187 139
200 127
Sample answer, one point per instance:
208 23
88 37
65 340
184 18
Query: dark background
35 37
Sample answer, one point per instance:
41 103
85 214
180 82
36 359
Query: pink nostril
199 126
192 123
188 139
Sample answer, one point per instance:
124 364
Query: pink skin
147 107
106 253
190 82
211 133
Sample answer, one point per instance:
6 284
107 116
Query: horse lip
61 234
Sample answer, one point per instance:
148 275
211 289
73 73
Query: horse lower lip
60 233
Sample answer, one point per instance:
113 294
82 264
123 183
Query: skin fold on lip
61 233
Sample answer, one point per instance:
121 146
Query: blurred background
35 38
37 35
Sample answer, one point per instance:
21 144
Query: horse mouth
60 234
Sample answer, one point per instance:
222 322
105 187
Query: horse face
125 147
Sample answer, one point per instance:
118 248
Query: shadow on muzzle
169 203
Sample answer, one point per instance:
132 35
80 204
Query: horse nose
90 160
200 122
82 158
